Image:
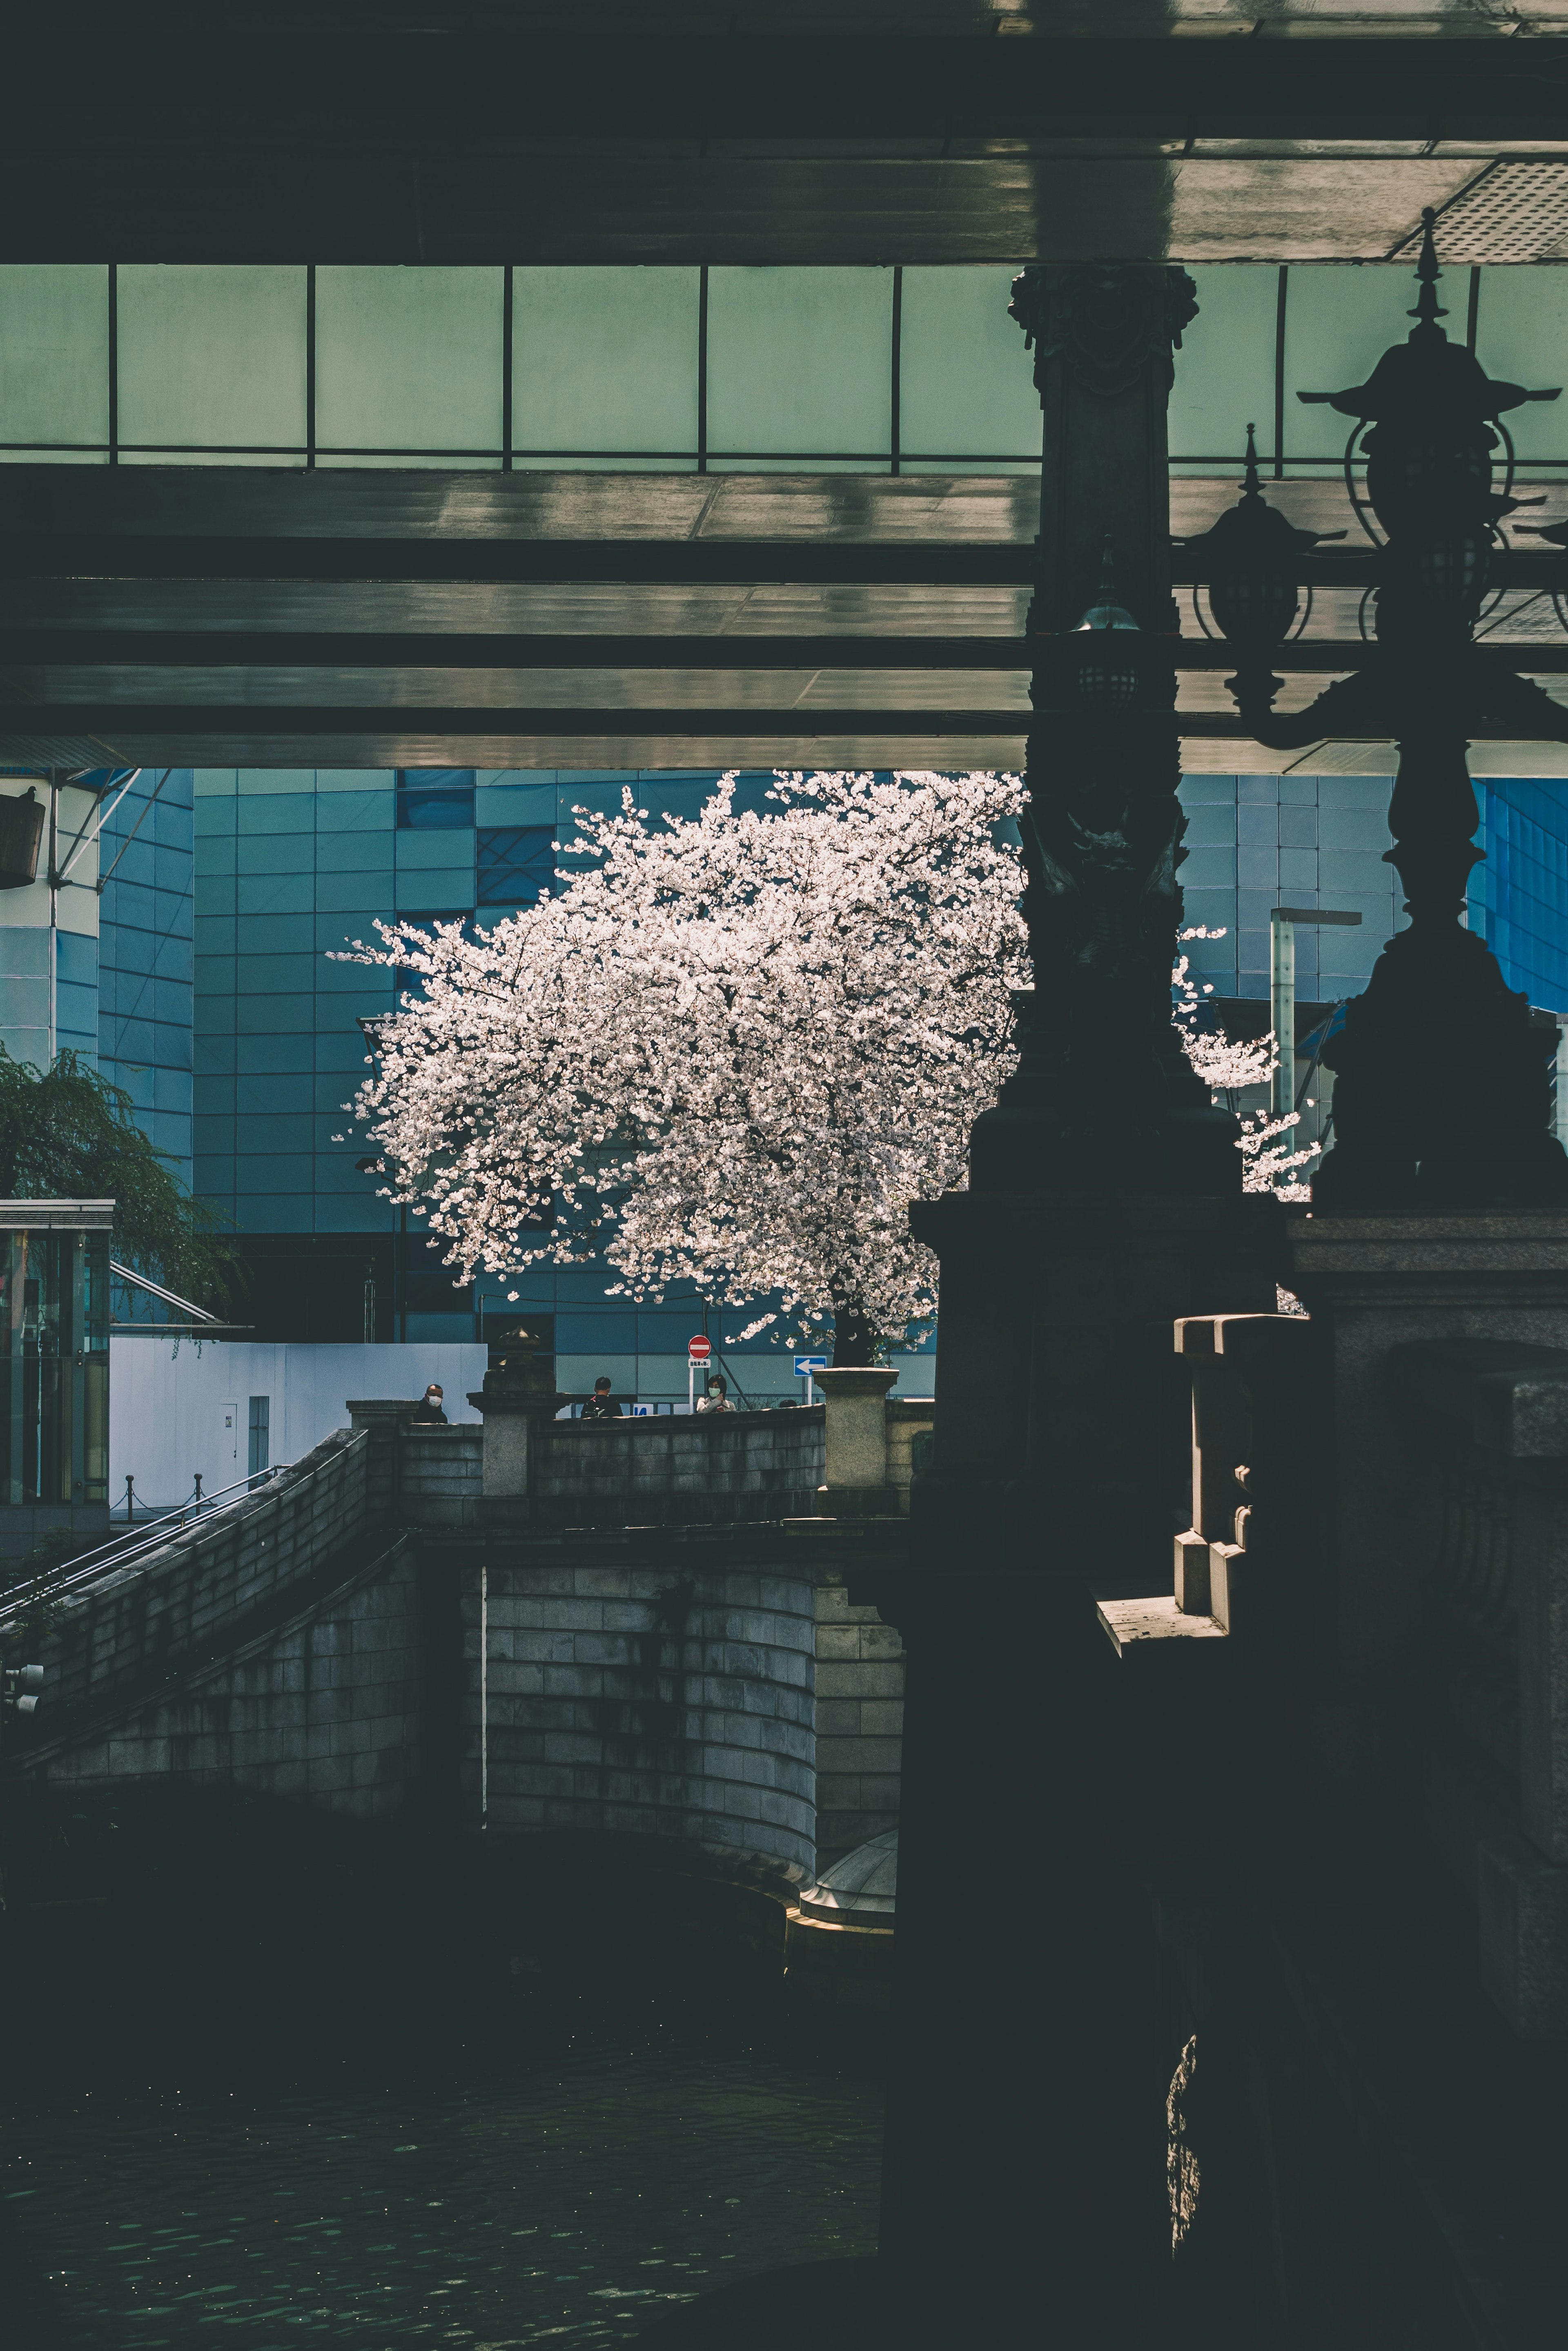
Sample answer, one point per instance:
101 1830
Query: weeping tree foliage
67 1133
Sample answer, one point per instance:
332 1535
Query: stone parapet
1432 1263
165 1606
668 1683
856 1482
1056 1398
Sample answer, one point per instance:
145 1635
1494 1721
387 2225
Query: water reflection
284 2080
562 2199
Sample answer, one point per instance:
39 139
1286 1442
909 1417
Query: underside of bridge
519 612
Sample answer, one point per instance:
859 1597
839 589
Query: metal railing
76 1573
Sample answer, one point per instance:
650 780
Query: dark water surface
566 2199
268 2094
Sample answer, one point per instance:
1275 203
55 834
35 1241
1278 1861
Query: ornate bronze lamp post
1442 1096
1102 1094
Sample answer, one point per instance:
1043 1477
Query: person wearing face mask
432 1406
718 1397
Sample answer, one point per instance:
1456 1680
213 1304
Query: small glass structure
54 1368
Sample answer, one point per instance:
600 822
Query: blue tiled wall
1255 842
145 982
1519 897
289 865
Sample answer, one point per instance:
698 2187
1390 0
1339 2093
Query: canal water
210 2140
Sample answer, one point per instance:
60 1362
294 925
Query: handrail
89 1565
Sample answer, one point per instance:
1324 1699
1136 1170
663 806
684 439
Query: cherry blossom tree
1232 1066
730 1051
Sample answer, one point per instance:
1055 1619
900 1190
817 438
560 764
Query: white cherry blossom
1231 1066
730 1051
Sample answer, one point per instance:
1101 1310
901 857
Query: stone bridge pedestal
1023 2178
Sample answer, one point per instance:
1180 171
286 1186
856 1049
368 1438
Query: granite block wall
706 1682
438 1474
162 1614
630 1690
859 1723
323 1711
679 1471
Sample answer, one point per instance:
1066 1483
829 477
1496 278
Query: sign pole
1282 921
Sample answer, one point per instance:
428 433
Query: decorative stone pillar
855 1425
1024 2172
381 1418
1442 1352
518 1395
1102 1094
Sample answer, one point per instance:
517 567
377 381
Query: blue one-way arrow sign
805 1364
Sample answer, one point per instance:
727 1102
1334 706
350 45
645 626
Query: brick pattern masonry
708 1682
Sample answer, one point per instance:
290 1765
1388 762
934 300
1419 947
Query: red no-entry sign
699 1348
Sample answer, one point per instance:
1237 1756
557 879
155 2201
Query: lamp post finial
1428 309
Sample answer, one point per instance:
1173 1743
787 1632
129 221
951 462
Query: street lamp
1442 1093
1106 649
1101 1086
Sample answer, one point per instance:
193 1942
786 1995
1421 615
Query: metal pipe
1283 1009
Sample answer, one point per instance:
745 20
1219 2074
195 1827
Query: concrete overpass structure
566 614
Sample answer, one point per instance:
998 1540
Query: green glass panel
1225 369
54 351
605 360
1339 321
966 385
408 359
212 356
1521 337
800 361
277 779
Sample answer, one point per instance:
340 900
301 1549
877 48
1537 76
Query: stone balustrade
156 1612
851 1457
655 1638
1486 1429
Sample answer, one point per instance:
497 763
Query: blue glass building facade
146 992
200 976
1519 897
1255 842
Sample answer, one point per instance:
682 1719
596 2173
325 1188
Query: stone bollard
856 1422
518 1395
382 1418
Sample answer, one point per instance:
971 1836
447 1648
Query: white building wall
167 1401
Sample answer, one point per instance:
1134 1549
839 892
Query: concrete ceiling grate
1515 212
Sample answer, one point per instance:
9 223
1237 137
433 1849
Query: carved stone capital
1109 322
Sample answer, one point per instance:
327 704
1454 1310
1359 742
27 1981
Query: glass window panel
408 359
54 351
966 385
605 360
1339 321
435 799
212 355
800 362
517 864
1225 368
1521 337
